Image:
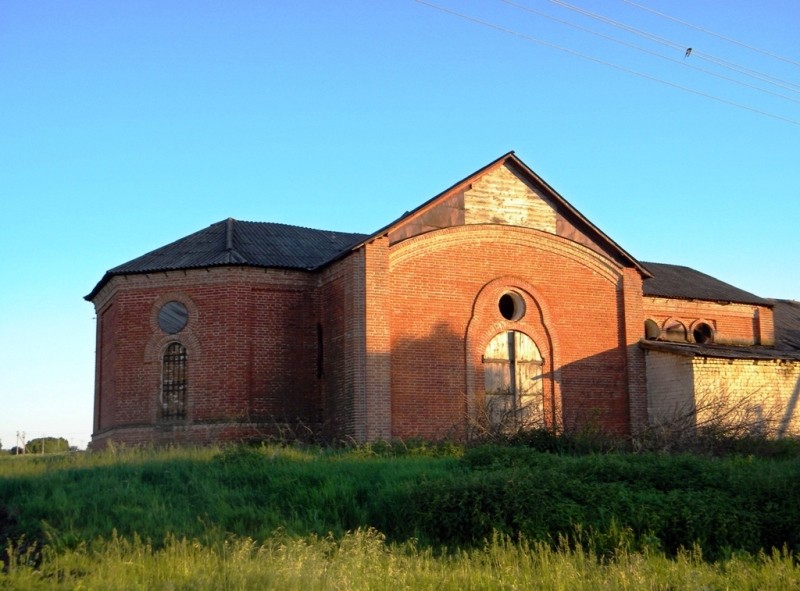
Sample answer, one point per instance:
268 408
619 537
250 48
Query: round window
172 317
703 333
511 305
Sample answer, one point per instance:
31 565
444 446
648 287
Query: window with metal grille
173 383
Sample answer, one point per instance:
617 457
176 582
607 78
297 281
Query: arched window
674 331
651 329
173 383
512 373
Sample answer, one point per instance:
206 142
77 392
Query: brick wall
342 314
670 387
733 324
251 342
377 341
386 342
435 280
632 314
760 394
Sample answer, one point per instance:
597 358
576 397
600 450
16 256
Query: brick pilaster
633 319
377 356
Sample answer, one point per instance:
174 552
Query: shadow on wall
791 407
429 385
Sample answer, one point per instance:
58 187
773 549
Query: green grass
423 516
363 560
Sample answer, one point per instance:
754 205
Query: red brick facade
388 341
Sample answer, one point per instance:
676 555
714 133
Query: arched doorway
512 370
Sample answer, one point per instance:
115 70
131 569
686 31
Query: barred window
173 383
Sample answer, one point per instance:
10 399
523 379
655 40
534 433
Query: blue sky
127 125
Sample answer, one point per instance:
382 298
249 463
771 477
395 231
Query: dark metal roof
715 351
675 281
232 242
787 324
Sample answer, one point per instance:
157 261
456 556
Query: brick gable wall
436 278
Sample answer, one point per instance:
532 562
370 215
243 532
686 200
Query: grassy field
394 517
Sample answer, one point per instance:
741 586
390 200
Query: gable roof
675 281
232 242
261 244
561 203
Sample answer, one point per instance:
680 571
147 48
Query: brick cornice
425 244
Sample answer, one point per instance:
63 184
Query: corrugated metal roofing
232 242
787 324
675 281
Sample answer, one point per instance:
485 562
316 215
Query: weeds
363 559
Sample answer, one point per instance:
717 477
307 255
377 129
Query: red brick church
495 303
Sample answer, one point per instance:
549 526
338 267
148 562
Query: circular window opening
702 333
651 330
512 306
172 317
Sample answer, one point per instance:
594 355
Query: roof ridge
285 225
229 229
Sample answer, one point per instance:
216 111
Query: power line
749 72
649 52
713 34
681 47
603 62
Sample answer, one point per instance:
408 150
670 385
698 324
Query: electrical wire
648 52
713 34
785 84
603 62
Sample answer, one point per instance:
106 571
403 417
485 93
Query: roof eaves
714 351
109 275
721 301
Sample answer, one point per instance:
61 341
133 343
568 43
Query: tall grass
272 515
205 494
363 560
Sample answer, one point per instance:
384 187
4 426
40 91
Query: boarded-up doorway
512 369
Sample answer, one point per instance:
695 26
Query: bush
47 445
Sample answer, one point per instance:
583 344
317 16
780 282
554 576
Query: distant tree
16 451
47 445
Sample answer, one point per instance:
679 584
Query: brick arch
425 244
486 322
153 357
158 342
671 321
